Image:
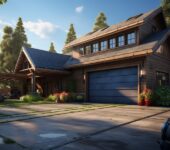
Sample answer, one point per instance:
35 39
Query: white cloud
79 9
4 23
40 28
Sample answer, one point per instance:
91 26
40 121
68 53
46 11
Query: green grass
18 103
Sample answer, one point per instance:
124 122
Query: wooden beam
33 83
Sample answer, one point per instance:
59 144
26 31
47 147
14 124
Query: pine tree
52 48
11 46
166 9
6 62
19 39
100 22
71 35
2 2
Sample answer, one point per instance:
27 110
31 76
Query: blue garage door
114 86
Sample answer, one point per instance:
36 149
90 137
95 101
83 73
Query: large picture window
131 38
162 78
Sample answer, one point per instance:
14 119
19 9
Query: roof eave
113 58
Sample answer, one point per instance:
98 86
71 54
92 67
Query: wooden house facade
111 65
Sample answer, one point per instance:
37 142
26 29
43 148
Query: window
131 38
81 50
112 43
95 47
121 40
162 78
88 49
103 45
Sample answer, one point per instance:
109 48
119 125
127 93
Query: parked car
165 137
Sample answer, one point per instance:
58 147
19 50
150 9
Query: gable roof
40 59
147 46
132 22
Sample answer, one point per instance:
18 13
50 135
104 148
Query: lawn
18 103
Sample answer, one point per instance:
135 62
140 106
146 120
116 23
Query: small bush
64 97
52 98
163 96
31 98
79 98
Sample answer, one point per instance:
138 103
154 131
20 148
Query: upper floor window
95 47
103 45
121 40
112 43
88 49
81 50
131 38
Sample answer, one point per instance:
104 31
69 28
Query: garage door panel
116 86
116 100
117 79
113 93
130 85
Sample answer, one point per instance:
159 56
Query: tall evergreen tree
6 63
2 2
11 46
166 9
100 22
71 35
52 48
19 39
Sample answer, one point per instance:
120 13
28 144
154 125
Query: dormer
126 34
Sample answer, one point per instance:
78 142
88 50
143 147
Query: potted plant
148 97
141 100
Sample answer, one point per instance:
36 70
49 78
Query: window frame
103 46
131 38
95 47
114 43
122 41
90 49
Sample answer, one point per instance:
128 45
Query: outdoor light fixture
142 72
84 77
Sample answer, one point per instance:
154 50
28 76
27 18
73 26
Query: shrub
31 98
80 98
52 98
163 94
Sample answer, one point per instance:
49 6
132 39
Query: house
112 65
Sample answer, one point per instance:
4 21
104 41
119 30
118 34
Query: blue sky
48 21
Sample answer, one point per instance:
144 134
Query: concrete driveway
82 127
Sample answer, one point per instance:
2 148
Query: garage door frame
111 68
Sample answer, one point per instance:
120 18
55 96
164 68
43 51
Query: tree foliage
11 45
100 22
166 9
52 48
71 35
2 2
6 55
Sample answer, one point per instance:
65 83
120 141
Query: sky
47 21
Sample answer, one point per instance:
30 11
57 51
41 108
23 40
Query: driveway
82 127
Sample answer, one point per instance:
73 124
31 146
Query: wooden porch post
33 83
